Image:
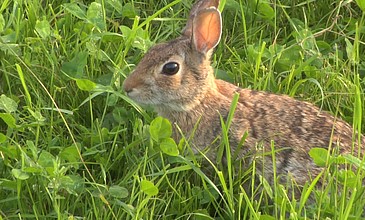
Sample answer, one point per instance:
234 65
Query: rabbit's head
175 76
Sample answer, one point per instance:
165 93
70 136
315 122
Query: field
73 146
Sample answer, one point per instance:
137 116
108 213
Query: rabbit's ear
198 6
207 30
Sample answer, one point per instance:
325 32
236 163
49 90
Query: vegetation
73 146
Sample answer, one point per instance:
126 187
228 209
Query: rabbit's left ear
206 30
197 7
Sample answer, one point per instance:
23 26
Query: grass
72 146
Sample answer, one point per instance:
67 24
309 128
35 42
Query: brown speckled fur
194 94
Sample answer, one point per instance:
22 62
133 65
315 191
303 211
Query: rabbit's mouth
160 104
136 95
144 98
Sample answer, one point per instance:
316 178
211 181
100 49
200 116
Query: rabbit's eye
170 68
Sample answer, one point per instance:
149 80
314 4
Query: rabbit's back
294 127
290 122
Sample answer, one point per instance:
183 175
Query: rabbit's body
177 80
294 126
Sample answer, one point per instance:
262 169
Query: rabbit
177 80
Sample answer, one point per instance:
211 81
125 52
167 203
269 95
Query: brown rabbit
177 80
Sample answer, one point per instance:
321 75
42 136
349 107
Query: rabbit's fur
193 94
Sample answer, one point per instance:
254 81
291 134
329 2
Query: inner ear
198 6
207 29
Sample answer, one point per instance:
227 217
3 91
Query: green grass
73 146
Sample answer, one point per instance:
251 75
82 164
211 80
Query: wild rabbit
177 80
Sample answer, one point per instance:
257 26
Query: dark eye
170 68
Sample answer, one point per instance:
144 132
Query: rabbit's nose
131 82
127 87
